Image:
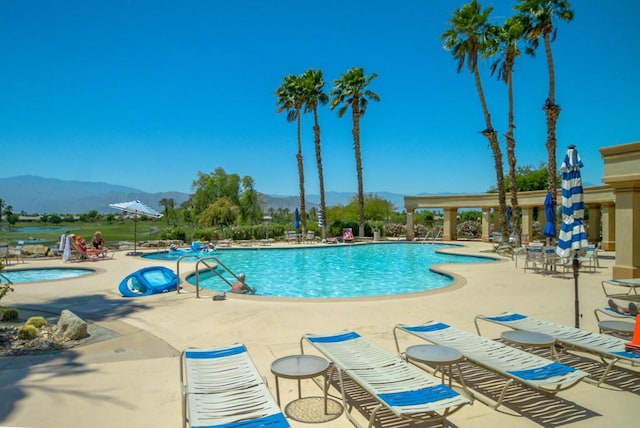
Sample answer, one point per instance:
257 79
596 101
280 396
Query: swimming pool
191 256
337 271
44 274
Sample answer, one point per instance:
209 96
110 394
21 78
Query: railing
6 279
211 267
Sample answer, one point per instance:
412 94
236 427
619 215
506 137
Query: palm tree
537 16
313 84
469 38
2 205
351 91
290 98
506 44
169 205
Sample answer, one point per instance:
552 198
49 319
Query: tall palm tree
507 38
351 91
290 98
2 205
468 39
538 17
313 84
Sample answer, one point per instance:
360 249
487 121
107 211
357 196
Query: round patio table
439 356
298 367
530 339
621 328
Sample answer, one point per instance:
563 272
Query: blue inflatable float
149 280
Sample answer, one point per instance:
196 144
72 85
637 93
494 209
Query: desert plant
9 314
28 332
37 322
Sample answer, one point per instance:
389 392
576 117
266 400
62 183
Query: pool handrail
9 282
204 261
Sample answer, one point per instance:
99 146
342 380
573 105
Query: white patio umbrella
573 237
136 207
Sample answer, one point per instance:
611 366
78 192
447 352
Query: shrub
9 314
37 322
27 332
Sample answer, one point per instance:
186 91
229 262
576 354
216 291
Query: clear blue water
336 271
35 229
193 256
44 274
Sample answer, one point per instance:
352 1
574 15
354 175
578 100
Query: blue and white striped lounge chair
533 371
404 389
608 348
221 387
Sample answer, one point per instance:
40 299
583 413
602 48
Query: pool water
44 274
336 271
191 256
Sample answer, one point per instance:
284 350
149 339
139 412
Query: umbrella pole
135 233
576 269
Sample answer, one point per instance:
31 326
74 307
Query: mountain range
38 195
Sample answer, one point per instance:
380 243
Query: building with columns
614 209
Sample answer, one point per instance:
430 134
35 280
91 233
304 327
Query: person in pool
240 287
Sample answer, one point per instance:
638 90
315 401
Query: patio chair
16 252
347 235
606 347
535 258
402 388
221 387
590 259
4 252
532 371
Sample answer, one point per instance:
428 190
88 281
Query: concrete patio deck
127 373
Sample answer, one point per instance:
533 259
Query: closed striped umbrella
573 237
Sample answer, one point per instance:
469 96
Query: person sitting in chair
98 242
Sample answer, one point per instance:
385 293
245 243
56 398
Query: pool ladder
208 266
9 282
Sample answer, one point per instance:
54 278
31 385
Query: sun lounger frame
222 386
381 373
609 349
497 357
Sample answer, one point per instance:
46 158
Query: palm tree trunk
552 112
511 157
492 136
355 107
323 208
303 211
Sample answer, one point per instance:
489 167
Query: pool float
147 281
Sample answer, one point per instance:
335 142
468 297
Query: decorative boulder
70 326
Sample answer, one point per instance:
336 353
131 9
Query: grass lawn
49 234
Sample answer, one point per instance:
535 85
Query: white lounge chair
221 387
631 285
404 389
608 348
533 371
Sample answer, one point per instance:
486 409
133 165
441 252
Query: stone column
527 224
627 233
450 224
622 172
594 223
608 227
486 223
410 235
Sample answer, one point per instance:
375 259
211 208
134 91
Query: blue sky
147 93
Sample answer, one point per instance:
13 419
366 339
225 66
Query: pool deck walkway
127 372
